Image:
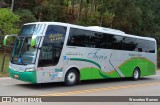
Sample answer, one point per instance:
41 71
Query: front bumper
24 76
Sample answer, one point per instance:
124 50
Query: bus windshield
23 53
32 29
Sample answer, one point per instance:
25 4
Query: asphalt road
146 86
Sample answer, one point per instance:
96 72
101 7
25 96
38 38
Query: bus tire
136 74
71 77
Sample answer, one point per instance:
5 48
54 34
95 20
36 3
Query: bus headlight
10 67
30 69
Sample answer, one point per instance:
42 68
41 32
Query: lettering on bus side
59 70
96 55
55 37
135 55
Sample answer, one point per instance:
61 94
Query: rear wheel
136 74
71 78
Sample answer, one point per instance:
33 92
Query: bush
8 21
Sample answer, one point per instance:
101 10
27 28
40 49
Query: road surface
146 86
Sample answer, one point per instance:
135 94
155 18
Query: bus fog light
30 69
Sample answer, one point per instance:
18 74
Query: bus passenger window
52 46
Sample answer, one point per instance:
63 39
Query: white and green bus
61 52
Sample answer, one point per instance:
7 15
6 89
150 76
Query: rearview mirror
6 37
33 41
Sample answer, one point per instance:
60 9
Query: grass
5 72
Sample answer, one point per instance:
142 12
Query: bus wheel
71 78
136 74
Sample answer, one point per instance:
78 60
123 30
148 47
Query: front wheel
136 74
71 78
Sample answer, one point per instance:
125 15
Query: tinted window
95 40
151 46
34 29
52 45
84 38
141 45
115 42
129 44
78 37
146 46
104 41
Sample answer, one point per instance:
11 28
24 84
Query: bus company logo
135 55
59 70
21 99
64 57
6 99
95 54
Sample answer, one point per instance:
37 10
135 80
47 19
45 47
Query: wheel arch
73 68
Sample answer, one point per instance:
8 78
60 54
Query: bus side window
78 37
52 46
129 44
114 42
95 40
141 45
140 50
151 46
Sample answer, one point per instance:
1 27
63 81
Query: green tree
25 15
128 16
8 21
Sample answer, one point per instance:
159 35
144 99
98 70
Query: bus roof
95 28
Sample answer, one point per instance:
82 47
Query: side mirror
33 41
5 39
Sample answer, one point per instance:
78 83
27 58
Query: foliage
138 17
8 21
25 16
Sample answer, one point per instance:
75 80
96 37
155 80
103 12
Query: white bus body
69 53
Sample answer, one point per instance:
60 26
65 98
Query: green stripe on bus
146 66
101 73
86 60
